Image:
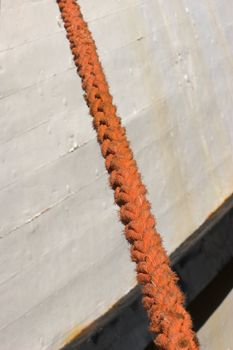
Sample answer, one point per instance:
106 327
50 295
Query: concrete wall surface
63 258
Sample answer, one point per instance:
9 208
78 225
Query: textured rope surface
161 297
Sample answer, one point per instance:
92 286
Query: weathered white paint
63 258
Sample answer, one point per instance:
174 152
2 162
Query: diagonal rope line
162 298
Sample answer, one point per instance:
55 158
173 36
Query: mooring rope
162 298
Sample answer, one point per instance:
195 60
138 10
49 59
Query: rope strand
162 298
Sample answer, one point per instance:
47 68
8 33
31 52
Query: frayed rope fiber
162 298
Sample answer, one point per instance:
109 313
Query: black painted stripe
197 262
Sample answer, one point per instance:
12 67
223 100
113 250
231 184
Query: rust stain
214 212
74 333
81 330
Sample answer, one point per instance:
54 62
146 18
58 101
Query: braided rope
161 296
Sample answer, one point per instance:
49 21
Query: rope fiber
162 298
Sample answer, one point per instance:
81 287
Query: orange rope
161 296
